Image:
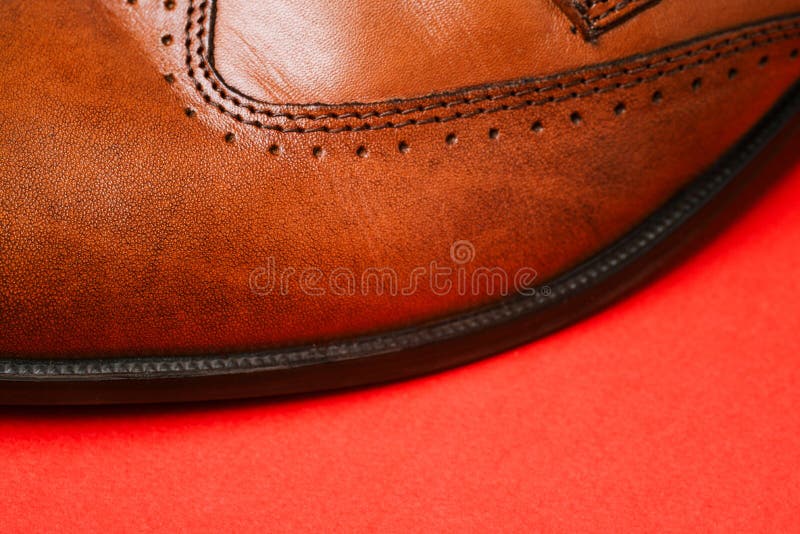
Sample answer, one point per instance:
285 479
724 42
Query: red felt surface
678 409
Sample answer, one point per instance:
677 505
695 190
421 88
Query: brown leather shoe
222 198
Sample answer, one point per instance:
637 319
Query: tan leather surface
138 194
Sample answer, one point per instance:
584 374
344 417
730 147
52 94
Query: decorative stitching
588 15
722 46
765 31
544 88
612 9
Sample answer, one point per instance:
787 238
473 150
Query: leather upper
159 158
309 52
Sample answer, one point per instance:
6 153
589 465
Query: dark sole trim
405 353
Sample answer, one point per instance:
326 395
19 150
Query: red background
678 409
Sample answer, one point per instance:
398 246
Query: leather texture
156 154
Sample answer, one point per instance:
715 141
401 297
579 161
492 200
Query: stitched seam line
613 9
602 6
482 111
624 71
461 115
465 115
766 30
